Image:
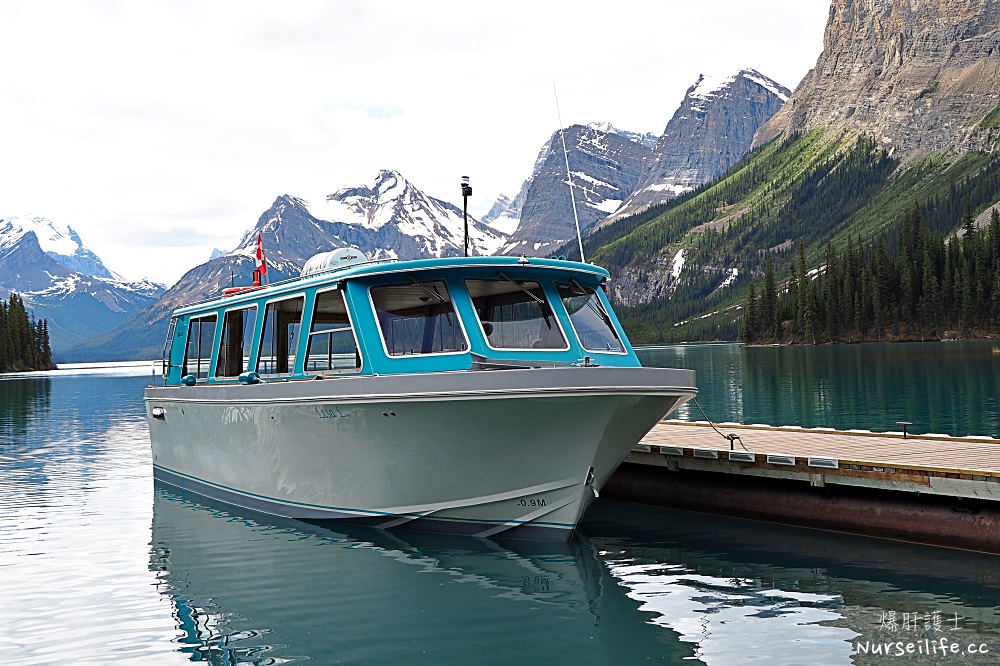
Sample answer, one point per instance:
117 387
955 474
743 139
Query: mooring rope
731 437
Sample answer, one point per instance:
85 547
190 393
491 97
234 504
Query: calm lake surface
100 566
949 388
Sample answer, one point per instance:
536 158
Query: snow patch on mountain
731 278
51 238
712 128
647 139
392 200
58 241
600 146
678 264
780 91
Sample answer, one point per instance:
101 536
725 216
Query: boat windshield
418 318
198 355
589 318
515 315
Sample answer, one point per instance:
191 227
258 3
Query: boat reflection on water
637 584
247 588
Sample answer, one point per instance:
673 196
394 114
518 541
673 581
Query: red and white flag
261 264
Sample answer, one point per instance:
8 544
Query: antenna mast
569 174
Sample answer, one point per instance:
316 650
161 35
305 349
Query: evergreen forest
912 284
24 342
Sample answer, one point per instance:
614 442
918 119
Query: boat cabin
365 318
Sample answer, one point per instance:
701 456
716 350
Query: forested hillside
24 342
913 284
682 270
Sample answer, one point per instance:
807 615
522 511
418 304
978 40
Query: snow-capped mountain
606 164
387 219
711 130
647 139
63 281
59 242
405 222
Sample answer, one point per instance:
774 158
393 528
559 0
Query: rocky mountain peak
918 76
605 167
647 139
709 132
58 241
61 280
710 87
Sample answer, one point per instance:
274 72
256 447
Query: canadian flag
261 264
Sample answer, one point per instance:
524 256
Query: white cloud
120 118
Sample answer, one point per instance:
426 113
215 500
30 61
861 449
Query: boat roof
387 267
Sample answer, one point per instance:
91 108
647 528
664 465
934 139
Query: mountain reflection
22 401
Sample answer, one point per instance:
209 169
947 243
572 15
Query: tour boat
488 396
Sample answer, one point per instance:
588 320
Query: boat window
589 318
168 348
515 315
198 356
237 341
417 318
332 346
282 321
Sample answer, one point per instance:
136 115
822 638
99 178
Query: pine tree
809 315
800 269
4 339
768 299
24 342
749 333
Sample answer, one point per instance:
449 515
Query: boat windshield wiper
594 303
439 297
433 292
540 301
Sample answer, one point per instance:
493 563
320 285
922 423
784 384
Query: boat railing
291 280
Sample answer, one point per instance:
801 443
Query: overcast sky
159 130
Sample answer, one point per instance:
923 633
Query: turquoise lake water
98 565
949 388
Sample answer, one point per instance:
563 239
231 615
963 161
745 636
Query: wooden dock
928 488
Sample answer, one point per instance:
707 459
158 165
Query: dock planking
969 456
930 489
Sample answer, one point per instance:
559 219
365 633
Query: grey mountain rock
606 167
505 215
709 132
917 76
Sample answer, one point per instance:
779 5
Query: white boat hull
503 453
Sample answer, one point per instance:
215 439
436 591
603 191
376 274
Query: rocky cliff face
710 131
918 75
606 165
